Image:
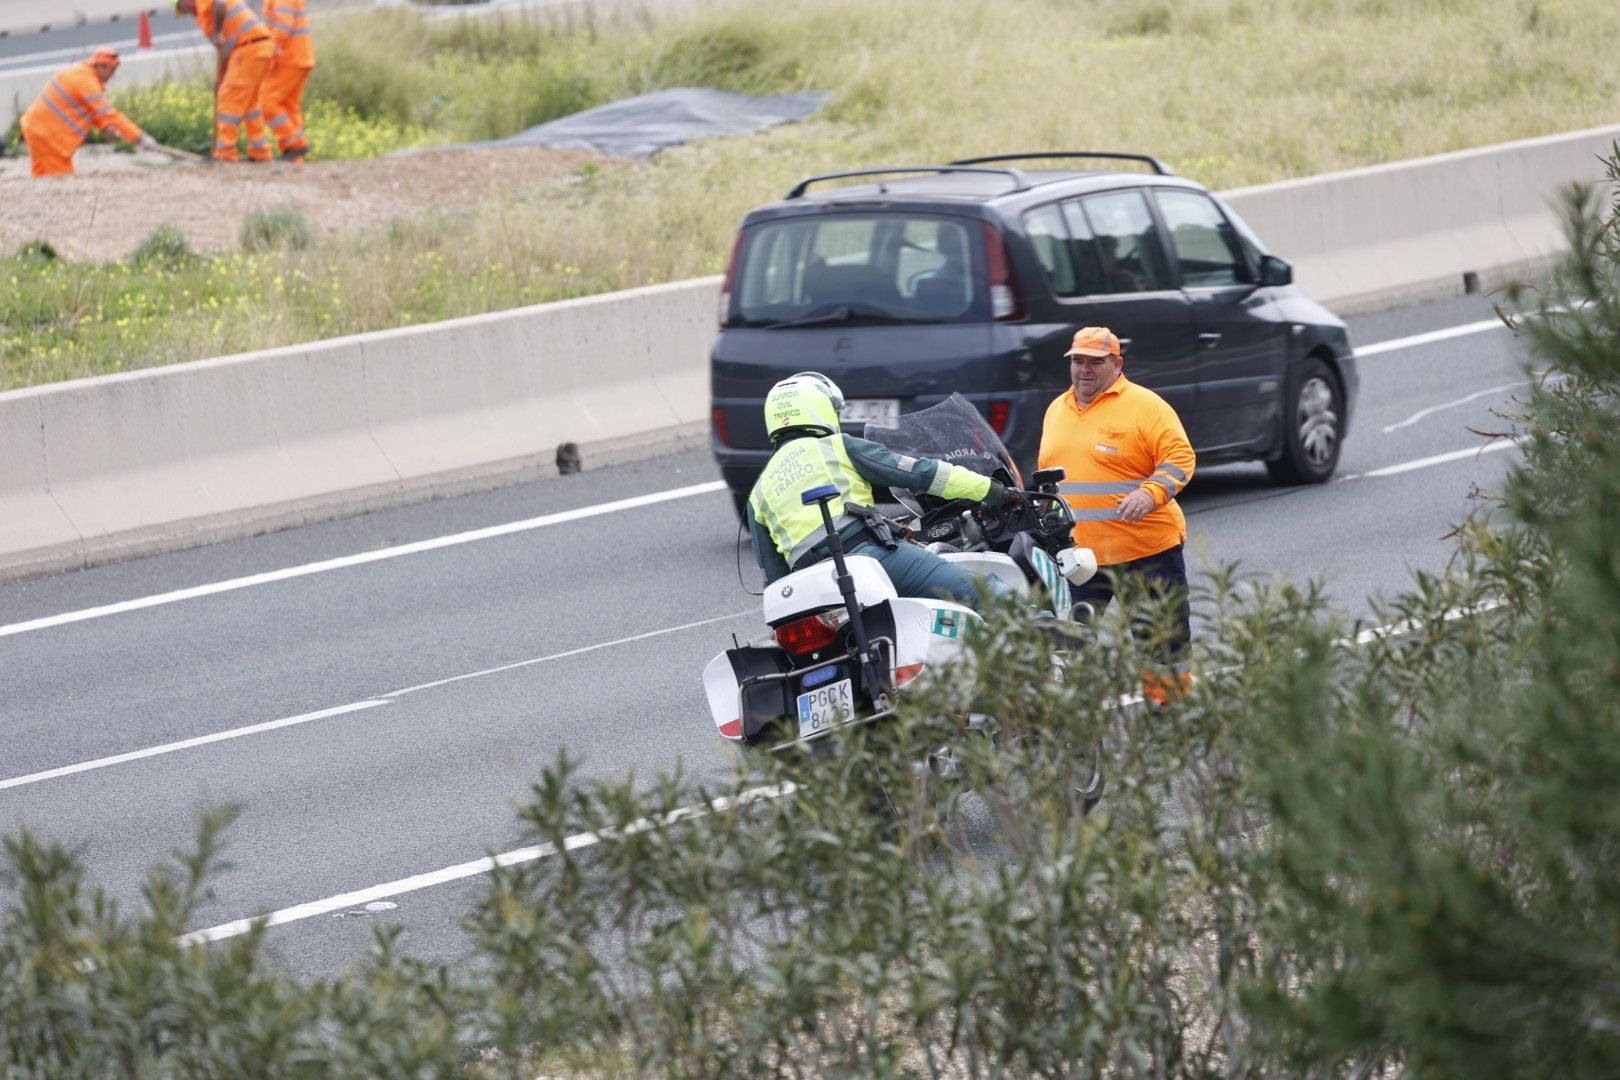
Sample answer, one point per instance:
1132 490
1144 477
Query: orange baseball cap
104 55
1094 341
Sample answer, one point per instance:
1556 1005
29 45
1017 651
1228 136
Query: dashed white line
186 744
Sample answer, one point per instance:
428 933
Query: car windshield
952 431
884 268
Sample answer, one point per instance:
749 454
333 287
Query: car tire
1313 427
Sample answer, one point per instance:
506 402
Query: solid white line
1441 459
1431 410
186 744
571 652
468 869
379 555
1429 338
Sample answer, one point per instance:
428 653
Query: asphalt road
473 663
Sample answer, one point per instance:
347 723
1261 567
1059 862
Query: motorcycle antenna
873 678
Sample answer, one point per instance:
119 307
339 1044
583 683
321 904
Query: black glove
998 495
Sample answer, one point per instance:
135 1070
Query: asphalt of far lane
429 778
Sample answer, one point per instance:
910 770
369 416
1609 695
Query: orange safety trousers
237 104
281 100
44 159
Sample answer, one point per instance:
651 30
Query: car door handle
1209 340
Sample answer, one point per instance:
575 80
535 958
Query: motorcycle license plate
826 707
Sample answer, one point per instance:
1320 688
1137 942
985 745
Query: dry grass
1230 92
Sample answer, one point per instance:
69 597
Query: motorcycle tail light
811 633
906 672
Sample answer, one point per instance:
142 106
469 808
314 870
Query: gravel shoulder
115 199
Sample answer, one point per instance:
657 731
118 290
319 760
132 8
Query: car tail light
724 315
1000 413
906 672
811 633
718 415
1005 303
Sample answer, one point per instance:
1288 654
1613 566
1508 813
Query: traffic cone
144 41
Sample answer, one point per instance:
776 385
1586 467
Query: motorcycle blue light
815 678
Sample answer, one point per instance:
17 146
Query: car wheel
1313 427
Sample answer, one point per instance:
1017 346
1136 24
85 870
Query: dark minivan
972 277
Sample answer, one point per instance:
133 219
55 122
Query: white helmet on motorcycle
802 404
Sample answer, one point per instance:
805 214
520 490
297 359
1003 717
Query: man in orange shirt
72 103
282 95
1126 458
246 52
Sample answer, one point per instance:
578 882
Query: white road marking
361 559
1439 459
380 699
571 652
186 744
467 869
1429 338
1431 410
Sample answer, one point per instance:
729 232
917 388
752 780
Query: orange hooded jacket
1127 438
70 105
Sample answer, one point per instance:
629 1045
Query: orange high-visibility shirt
289 25
70 105
1127 438
231 21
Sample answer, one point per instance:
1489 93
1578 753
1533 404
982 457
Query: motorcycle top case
815 588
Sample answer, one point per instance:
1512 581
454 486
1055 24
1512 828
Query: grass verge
1227 91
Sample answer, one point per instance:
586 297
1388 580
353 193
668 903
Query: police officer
801 417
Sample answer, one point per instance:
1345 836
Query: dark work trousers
1161 574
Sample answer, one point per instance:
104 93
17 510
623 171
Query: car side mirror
1275 271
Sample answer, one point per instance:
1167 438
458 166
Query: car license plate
865 410
826 707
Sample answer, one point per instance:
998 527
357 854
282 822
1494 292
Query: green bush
282 228
165 246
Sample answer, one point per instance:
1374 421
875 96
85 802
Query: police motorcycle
843 643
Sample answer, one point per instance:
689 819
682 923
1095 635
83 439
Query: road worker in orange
73 103
282 96
246 52
1126 458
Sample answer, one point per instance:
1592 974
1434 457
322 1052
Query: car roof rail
1147 159
1019 180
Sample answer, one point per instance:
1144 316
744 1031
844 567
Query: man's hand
1137 505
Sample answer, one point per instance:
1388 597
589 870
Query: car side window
1050 240
1084 245
1127 241
1208 249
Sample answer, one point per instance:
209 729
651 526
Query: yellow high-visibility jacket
1127 438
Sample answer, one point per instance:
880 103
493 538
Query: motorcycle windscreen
952 431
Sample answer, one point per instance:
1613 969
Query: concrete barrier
100 469
1411 230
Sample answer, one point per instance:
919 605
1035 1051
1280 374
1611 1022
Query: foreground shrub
165 246
281 228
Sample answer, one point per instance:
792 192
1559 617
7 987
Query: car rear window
888 267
